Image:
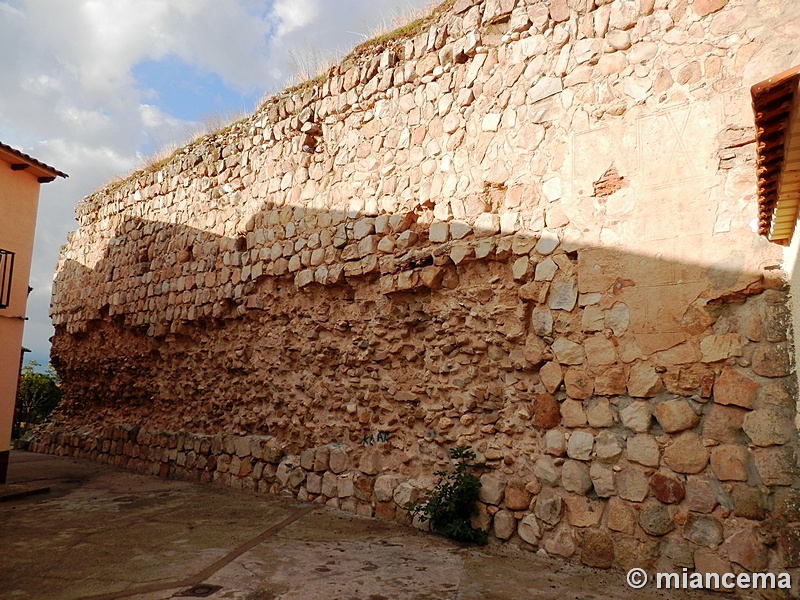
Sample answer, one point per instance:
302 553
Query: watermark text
688 580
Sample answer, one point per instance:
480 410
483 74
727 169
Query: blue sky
187 92
92 87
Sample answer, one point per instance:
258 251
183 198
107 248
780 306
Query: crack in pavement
210 570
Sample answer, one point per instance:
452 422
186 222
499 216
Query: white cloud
294 14
157 120
41 85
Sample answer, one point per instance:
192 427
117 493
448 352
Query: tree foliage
38 393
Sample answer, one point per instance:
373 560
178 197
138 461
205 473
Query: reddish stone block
546 411
732 387
385 511
746 549
611 382
706 7
517 497
666 489
723 423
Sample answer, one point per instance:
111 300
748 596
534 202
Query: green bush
37 396
451 504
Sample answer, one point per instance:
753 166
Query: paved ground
104 533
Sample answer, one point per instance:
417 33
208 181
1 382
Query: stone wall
525 229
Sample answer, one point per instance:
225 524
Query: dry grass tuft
405 27
313 67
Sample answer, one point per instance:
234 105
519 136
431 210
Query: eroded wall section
526 229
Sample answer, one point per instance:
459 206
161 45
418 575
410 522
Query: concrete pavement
104 533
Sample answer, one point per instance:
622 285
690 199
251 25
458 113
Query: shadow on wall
314 326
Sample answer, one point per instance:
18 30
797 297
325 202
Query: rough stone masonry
526 229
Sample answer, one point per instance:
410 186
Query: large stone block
636 416
768 427
583 512
607 446
686 454
746 548
492 489
706 7
600 351
655 520
580 445
611 381
516 495
772 360
370 462
729 462
439 232
644 381
548 506
339 460
546 411
723 423
732 387
314 483
599 413
307 459
546 470
602 480
544 88
330 484
554 443
675 415
700 495
551 375
575 477
667 489
528 529
644 449
715 348
578 384
621 516
776 465
632 484
572 413
505 525
321 458
402 495
561 542
703 530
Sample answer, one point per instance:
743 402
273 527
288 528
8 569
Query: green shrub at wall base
452 503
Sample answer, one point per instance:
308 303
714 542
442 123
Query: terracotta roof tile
45 172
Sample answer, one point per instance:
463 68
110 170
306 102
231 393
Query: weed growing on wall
451 504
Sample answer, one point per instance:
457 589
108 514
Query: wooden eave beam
785 212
